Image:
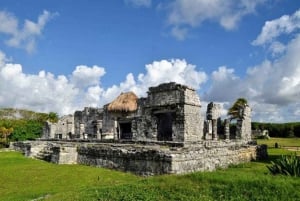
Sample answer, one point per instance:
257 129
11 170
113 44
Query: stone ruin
162 133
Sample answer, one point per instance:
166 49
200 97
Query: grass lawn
28 179
283 142
286 145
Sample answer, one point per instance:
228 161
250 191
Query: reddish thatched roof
125 102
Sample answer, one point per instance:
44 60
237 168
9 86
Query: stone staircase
42 151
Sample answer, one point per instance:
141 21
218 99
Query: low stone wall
211 155
147 160
132 158
64 154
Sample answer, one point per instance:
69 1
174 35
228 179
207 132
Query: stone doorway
164 126
59 136
125 130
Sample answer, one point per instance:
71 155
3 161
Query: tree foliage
291 129
53 117
234 110
26 127
5 132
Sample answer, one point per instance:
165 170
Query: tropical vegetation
18 125
291 129
234 110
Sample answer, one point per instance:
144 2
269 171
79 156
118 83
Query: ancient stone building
170 112
88 123
162 133
212 122
63 129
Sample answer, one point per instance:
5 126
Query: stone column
81 130
227 129
99 128
213 114
214 129
238 132
116 130
208 129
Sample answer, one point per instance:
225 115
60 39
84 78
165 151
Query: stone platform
145 158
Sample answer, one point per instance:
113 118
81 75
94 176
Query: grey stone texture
147 159
165 135
63 129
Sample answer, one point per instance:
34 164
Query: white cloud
8 23
139 3
272 87
26 36
274 28
225 85
84 76
174 70
194 12
46 92
64 94
276 48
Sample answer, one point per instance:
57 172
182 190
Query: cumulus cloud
139 3
194 12
23 37
174 70
274 28
272 87
64 94
84 76
224 85
46 92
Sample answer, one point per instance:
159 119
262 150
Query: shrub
286 165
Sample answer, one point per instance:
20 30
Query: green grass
284 144
28 179
25 179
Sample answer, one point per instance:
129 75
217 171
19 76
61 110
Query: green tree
53 117
234 110
5 132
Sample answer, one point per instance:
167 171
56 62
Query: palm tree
234 110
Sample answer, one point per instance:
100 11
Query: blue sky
64 55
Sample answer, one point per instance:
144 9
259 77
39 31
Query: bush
286 165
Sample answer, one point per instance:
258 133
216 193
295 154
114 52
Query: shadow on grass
275 153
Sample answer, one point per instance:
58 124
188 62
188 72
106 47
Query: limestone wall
152 161
211 155
64 154
193 123
145 159
136 159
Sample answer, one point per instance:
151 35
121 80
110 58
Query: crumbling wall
88 123
154 160
243 125
147 159
63 129
171 112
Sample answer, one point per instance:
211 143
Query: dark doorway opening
164 126
125 130
59 136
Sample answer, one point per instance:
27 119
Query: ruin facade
170 112
159 134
